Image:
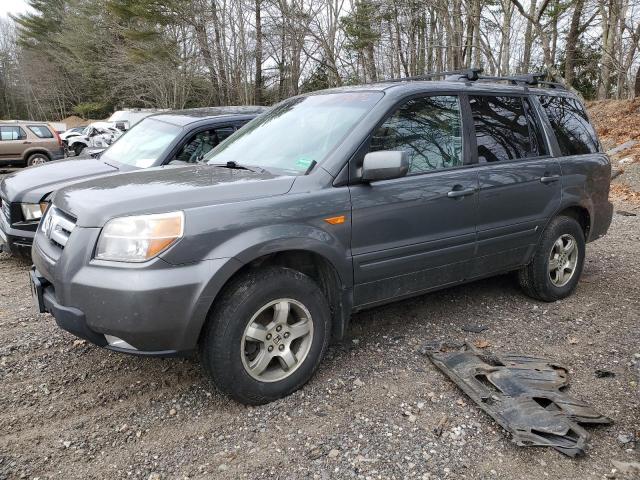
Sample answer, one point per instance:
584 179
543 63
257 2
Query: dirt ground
72 410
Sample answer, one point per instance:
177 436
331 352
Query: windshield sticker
304 162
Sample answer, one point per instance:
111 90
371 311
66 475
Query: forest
89 57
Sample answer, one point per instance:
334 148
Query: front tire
266 335
555 269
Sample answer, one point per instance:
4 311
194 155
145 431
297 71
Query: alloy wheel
563 260
277 340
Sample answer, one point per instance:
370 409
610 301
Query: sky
13 7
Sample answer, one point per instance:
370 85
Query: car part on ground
525 395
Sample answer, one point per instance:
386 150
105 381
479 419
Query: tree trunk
258 83
528 39
572 41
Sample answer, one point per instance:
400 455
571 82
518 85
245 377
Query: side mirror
385 165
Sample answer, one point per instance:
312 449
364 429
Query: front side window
569 121
505 128
297 133
12 133
202 143
143 145
428 128
41 131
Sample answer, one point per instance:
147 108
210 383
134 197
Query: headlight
139 238
33 211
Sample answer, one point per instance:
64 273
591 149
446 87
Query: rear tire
37 159
557 263
254 346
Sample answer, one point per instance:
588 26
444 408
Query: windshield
143 145
294 134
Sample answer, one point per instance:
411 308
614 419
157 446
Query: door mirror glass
385 165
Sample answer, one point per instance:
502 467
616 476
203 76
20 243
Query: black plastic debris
525 395
600 373
474 328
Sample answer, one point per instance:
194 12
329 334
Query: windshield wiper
236 166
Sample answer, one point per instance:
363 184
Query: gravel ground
71 410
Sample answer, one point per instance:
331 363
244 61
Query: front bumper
14 240
152 309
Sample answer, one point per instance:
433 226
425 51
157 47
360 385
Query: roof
185 117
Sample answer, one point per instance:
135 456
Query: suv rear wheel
37 159
266 336
556 266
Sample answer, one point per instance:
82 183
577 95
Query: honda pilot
329 203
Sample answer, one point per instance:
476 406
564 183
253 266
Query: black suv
177 138
329 203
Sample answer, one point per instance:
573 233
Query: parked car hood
32 184
165 189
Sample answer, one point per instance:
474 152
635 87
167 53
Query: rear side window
428 128
506 128
12 133
41 131
569 121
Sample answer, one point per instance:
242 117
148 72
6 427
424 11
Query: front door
520 184
415 233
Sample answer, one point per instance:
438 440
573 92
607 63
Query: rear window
569 121
41 131
506 128
12 133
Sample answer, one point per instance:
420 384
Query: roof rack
474 74
469 74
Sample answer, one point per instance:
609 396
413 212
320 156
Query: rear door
520 184
413 234
13 142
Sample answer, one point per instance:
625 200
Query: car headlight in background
33 211
139 238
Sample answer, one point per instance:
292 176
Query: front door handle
461 193
551 179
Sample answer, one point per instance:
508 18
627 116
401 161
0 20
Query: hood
165 189
32 184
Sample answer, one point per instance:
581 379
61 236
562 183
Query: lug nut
278 328
268 336
286 334
270 349
281 347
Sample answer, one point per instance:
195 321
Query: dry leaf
481 343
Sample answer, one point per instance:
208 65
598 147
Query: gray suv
329 203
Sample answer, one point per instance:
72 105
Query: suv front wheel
555 269
266 335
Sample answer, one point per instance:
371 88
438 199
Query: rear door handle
26 143
551 179
461 193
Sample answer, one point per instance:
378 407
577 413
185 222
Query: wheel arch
311 262
32 151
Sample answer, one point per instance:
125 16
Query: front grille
6 210
57 226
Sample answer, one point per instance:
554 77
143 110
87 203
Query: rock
625 438
223 468
154 476
420 405
172 412
358 383
626 467
333 453
66 444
